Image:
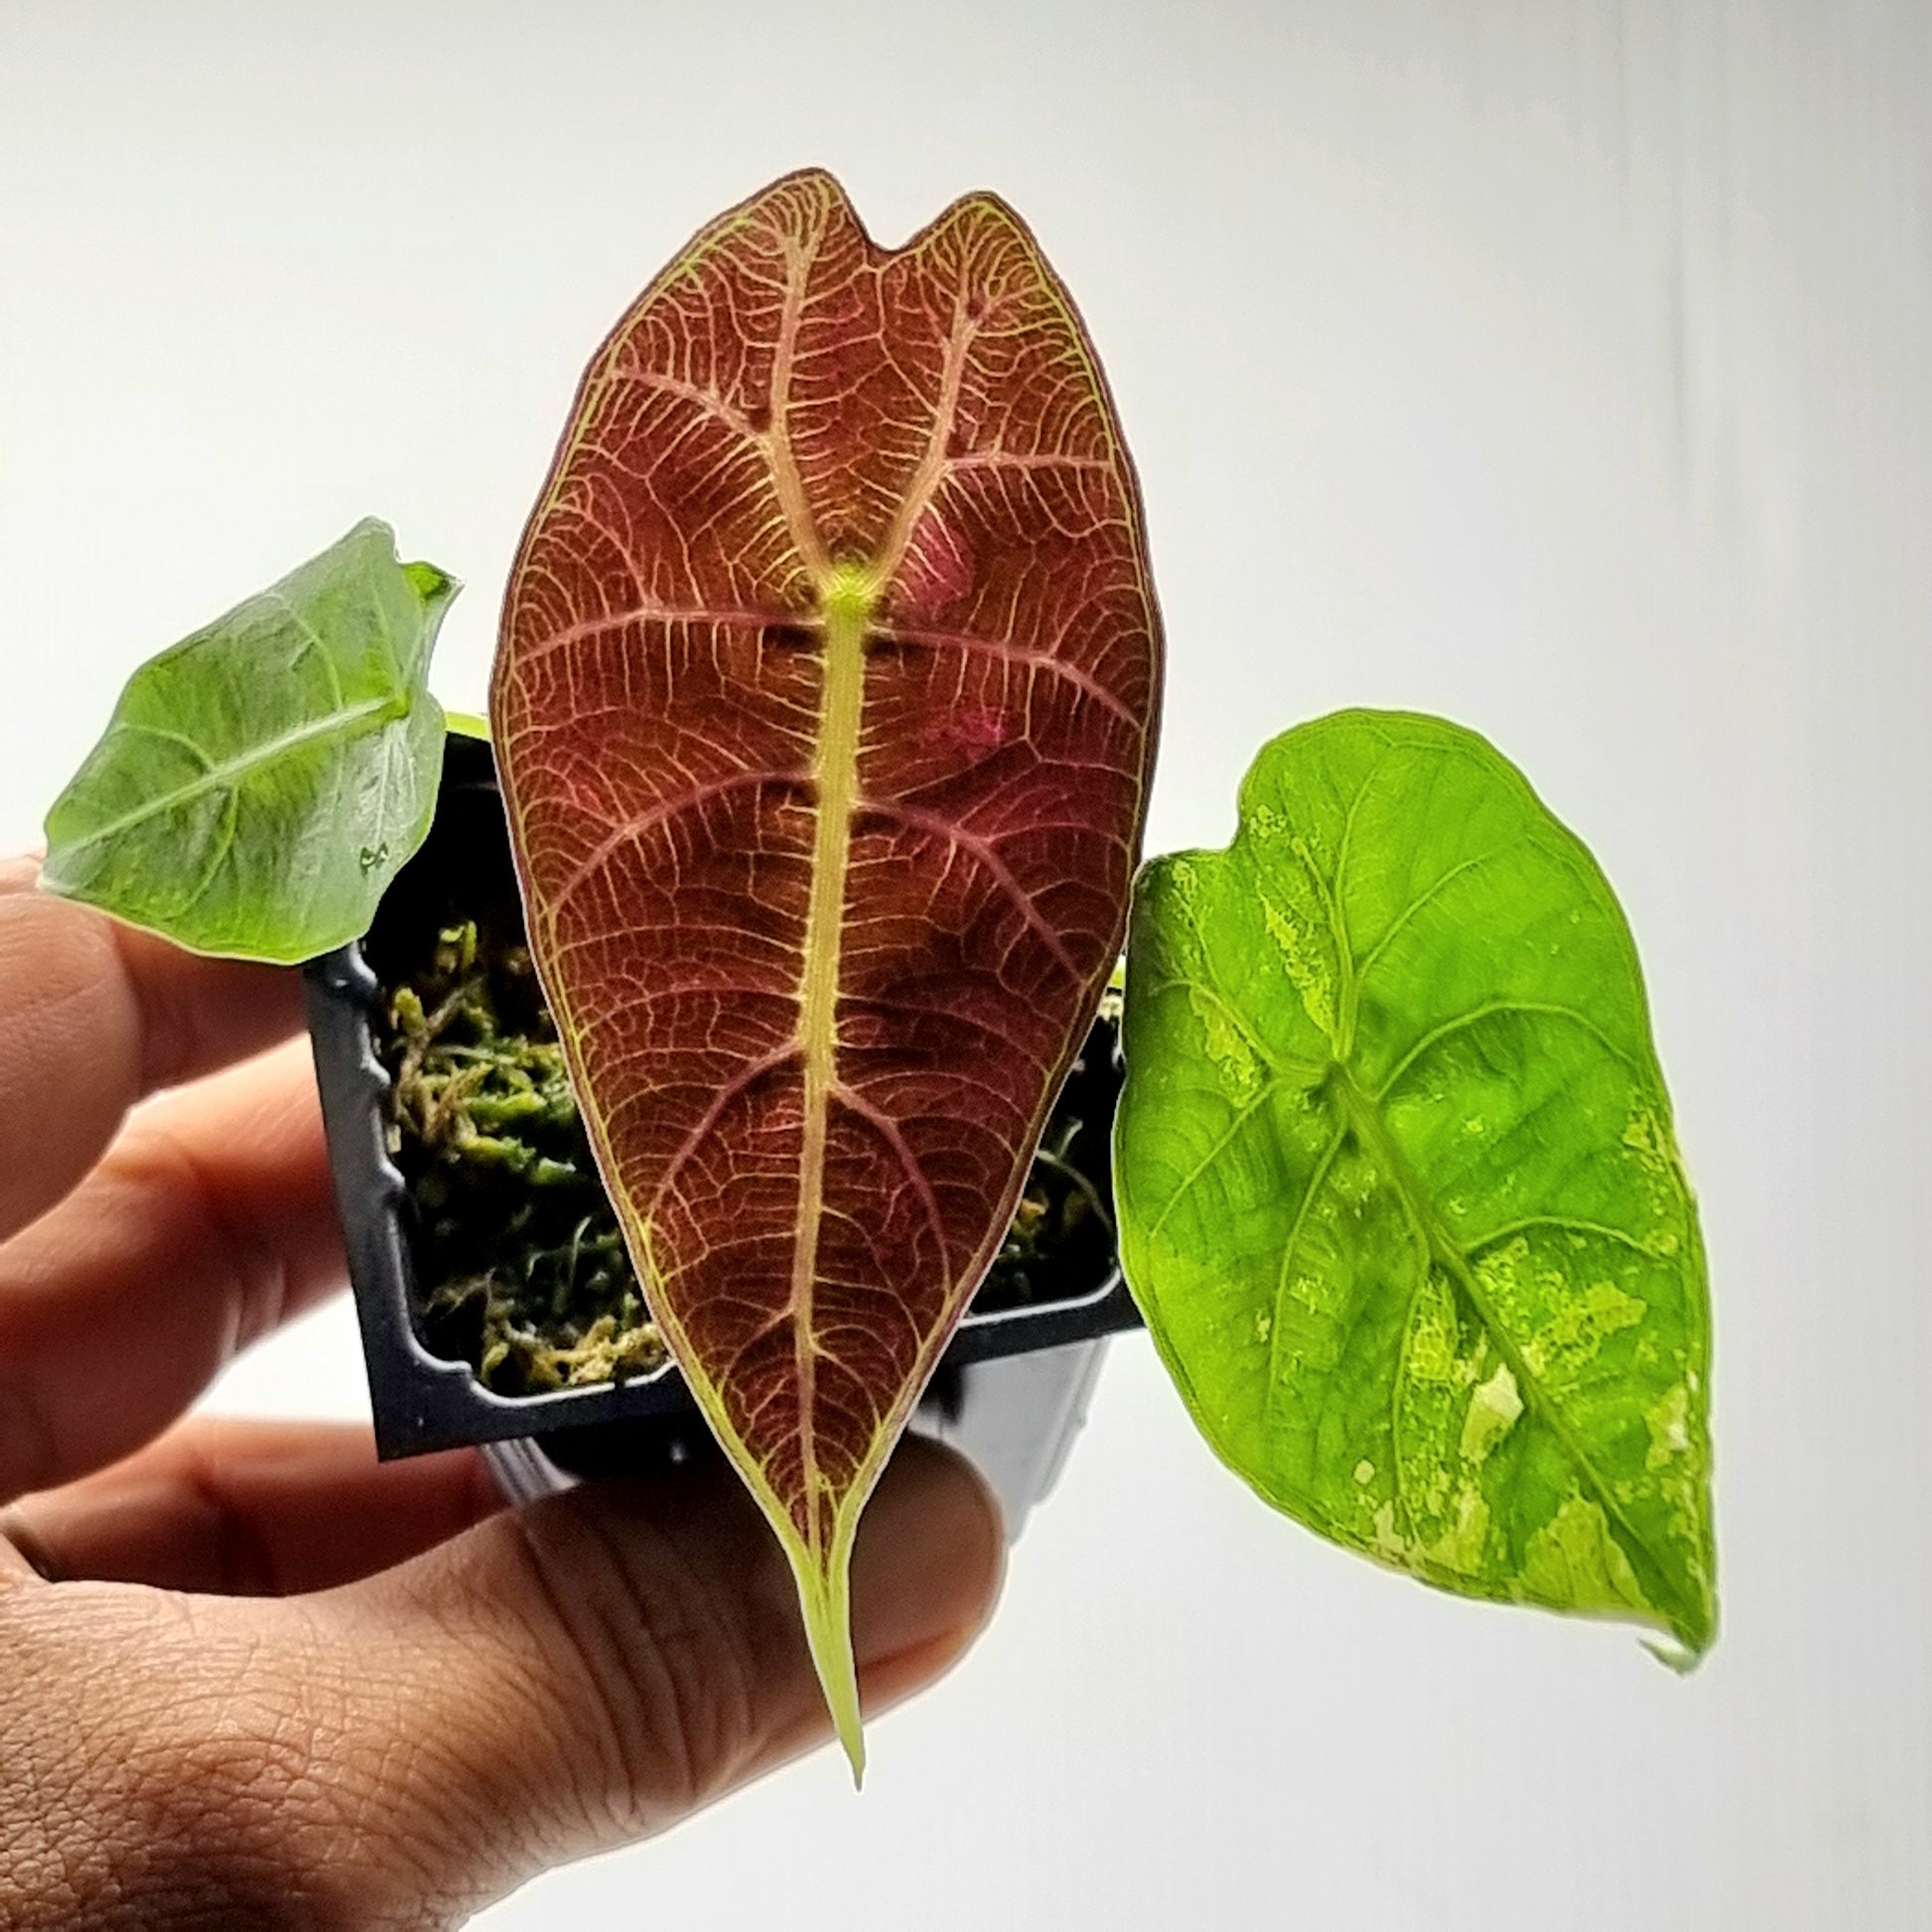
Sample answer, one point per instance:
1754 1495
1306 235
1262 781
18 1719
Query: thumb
587 1670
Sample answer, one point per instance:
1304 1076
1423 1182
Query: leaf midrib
836 771
849 597
222 777
1362 1114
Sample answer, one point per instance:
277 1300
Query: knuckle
245 1271
229 1777
664 1663
178 1802
167 1031
65 1038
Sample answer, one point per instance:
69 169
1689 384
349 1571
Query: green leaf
1397 1188
262 781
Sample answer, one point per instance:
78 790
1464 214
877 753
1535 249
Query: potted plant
823 714
497 1300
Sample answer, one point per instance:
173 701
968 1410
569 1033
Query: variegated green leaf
1398 1186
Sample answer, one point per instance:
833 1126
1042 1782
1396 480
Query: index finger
94 1015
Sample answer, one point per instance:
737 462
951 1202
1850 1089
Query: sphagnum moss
521 1270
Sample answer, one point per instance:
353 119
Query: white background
1562 367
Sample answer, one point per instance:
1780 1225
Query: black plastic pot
423 1401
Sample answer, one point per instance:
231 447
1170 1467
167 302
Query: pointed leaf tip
437 587
825 1603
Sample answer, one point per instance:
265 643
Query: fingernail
931 1554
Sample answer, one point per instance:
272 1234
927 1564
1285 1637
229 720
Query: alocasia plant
823 710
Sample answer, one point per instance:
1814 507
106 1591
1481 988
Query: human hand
253 1677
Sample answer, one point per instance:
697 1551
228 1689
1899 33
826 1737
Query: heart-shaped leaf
262 781
1396 1184
823 707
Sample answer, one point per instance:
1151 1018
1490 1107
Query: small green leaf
262 781
1398 1187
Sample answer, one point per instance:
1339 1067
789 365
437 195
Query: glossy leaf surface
262 781
823 708
1398 1187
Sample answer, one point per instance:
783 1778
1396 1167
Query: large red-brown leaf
824 705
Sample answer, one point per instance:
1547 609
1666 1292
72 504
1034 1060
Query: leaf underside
823 706
262 781
1399 1192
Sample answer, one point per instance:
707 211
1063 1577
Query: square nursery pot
1011 1390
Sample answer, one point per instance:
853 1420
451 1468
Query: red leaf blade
824 703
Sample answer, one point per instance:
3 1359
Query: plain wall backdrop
1564 368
